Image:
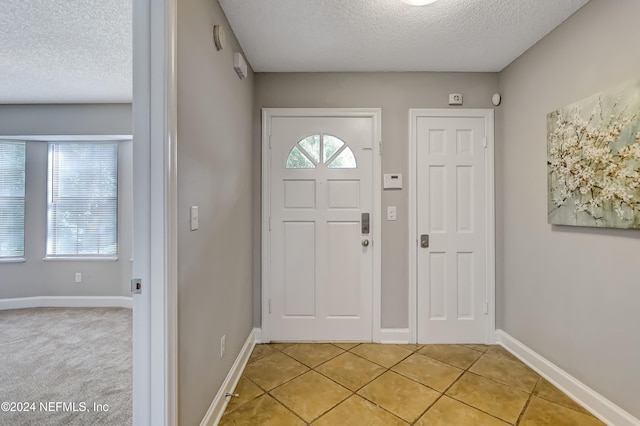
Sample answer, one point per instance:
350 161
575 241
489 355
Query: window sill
13 260
81 258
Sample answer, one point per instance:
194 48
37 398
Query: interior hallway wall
215 149
571 294
395 93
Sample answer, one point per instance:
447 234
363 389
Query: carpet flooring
65 366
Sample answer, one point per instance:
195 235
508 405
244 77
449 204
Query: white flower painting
594 160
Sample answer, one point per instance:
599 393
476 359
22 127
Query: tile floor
370 384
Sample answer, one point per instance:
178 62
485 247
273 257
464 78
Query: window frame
323 160
49 195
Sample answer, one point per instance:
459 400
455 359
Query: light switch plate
194 218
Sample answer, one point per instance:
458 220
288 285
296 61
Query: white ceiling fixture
419 2
386 35
62 51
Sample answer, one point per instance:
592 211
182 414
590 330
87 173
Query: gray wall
36 277
215 150
66 119
395 93
570 294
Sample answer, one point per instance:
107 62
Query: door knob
365 243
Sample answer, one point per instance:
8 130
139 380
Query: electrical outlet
78 277
391 213
222 346
455 99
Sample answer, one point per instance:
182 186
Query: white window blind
82 202
12 178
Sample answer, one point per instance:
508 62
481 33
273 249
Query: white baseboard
67 302
219 403
394 335
597 404
257 334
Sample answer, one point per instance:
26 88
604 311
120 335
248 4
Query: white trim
394 335
257 333
490 213
154 213
591 400
219 403
12 260
376 115
69 138
80 258
171 182
66 302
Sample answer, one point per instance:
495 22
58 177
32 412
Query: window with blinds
12 179
82 199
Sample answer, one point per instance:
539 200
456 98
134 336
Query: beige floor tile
456 355
282 345
263 411
350 370
428 371
479 348
540 412
310 395
448 412
412 347
385 355
401 396
549 392
312 354
491 397
346 345
260 351
506 369
246 391
273 370
500 351
356 411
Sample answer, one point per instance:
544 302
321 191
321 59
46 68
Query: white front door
452 226
320 265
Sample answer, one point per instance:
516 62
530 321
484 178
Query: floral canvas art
593 161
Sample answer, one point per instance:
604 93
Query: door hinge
380 150
269 223
484 142
136 286
486 308
269 305
269 141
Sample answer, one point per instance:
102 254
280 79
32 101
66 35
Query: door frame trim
490 247
267 115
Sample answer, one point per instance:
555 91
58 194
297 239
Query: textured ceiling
65 51
388 35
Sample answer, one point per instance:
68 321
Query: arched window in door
323 149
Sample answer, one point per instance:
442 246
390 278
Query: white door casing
452 202
319 281
154 213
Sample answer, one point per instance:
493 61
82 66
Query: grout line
464 371
287 408
526 404
353 393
